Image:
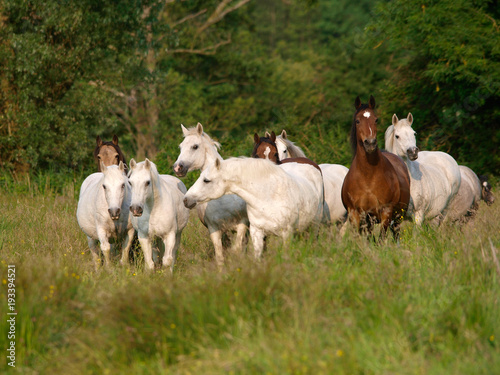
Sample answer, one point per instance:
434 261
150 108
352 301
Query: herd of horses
278 191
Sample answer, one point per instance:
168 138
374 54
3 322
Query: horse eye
104 187
147 183
123 186
99 157
195 147
285 150
376 120
206 180
357 121
397 137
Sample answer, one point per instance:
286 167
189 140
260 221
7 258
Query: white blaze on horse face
267 152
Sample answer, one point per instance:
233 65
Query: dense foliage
77 69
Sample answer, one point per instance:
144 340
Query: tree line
72 70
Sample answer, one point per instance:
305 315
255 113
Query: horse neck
248 188
368 163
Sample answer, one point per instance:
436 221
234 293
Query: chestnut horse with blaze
377 186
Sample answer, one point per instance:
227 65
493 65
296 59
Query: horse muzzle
114 213
180 170
136 210
412 153
189 202
370 145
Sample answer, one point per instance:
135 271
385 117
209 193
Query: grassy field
428 305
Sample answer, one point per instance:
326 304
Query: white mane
294 151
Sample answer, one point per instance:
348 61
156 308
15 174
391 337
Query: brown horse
377 186
109 153
265 148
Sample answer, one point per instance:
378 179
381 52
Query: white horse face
115 187
141 182
193 151
210 185
282 149
405 143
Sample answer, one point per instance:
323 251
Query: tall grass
428 305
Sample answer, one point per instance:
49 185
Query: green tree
445 64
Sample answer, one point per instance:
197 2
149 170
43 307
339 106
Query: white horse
333 178
158 211
281 199
229 212
103 211
434 177
472 190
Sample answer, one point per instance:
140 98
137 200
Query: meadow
326 305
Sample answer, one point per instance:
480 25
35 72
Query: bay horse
109 153
377 186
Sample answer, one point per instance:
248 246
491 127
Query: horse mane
294 151
389 138
193 131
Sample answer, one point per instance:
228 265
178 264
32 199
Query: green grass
326 305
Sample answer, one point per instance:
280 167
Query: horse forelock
204 136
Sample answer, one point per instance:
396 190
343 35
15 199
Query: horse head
109 153
143 177
400 138
364 128
266 148
115 185
195 149
210 185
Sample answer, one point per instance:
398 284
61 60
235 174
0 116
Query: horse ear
394 119
184 130
199 129
410 118
283 134
132 164
98 141
273 136
371 103
115 140
121 166
147 164
357 103
267 135
256 138
217 164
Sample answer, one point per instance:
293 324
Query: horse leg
216 237
127 244
171 242
257 241
147 250
385 218
94 251
419 217
241 238
105 246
